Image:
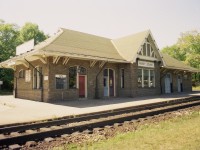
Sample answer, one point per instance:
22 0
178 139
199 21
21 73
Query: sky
166 19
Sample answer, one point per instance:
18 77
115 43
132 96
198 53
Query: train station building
74 65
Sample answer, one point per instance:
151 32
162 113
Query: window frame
22 74
37 78
144 48
64 79
76 77
149 78
122 78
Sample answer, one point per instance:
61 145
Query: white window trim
151 50
37 74
22 70
149 77
113 81
64 76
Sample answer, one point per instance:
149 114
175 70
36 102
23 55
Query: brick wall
146 91
25 89
186 82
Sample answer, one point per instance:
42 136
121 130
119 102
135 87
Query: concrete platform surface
14 110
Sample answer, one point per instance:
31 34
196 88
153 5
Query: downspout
96 88
42 88
15 85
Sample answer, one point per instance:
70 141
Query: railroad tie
31 143
49 139
14 147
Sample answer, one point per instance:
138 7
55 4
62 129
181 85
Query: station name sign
146 64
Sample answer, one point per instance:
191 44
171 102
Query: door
109 82
167 83
81 86
105 83
179 82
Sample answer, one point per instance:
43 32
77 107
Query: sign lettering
145 64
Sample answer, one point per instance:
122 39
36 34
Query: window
152 79
22 73
140 78
72 77
146 78
144 49
60 81
122 78
82 71
37 78
147 50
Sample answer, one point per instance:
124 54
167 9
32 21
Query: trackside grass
180 133
197 88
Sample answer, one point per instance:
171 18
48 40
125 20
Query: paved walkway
19 110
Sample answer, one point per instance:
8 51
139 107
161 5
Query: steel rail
103 114
21 139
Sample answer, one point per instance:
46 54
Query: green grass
181 133
197 88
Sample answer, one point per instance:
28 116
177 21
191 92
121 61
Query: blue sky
109 18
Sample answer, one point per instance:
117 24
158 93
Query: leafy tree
8 41
10 37
175 52
30 31
186 49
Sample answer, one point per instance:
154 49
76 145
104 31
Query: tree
10 37
186 49
31 31
8 41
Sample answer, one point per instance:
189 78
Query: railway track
21 133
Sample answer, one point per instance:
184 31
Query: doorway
168 83
82 86
179 83
109 82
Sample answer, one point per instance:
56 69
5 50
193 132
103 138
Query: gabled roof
129 46
69 43
172 63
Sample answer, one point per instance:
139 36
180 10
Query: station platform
14 110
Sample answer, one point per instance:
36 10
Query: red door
81 86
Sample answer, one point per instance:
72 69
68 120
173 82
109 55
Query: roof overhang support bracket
23 63
42 59
176 71
13 67
56 59
92 63
164 70
65 60
101 64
